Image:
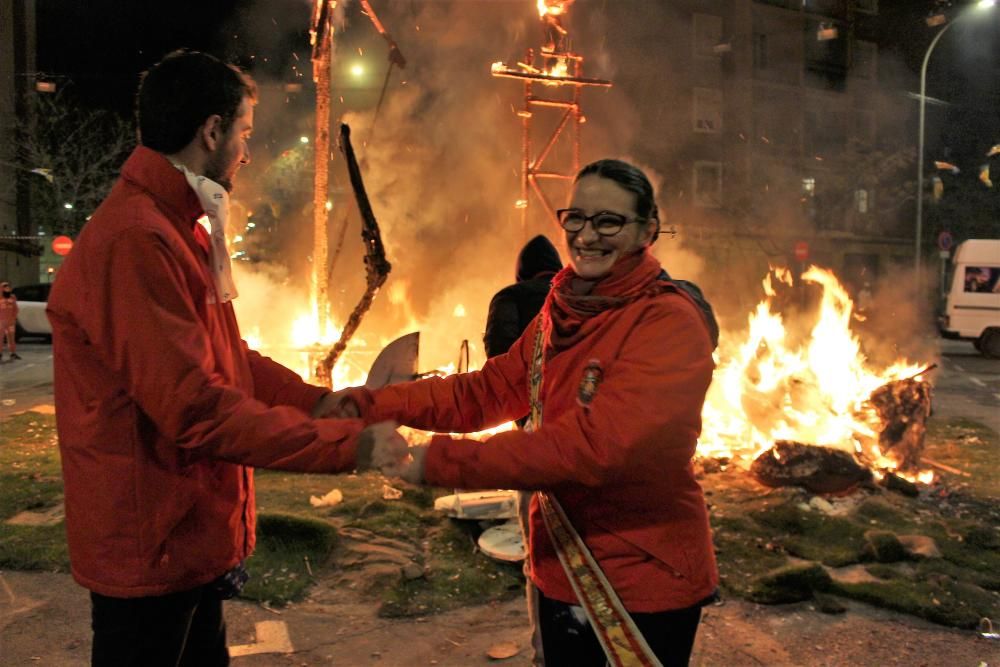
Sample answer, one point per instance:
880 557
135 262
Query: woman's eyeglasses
604 223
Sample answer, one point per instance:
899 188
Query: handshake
379 445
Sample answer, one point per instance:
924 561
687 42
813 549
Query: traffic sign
801 251
945 240
61 245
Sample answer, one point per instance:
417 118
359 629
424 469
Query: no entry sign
801 251
61 245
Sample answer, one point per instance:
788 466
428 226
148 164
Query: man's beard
214 170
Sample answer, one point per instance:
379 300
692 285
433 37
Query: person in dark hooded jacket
513 307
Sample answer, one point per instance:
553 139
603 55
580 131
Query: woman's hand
336 405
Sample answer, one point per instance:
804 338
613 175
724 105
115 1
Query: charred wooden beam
817 469
377 267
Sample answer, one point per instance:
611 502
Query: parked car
972 304
31 318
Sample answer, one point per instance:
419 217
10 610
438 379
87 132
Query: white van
972 308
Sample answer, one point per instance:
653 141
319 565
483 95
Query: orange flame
552 7
773 385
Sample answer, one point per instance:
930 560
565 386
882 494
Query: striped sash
621 640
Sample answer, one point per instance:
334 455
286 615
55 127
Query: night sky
101 46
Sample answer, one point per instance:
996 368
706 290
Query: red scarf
568 317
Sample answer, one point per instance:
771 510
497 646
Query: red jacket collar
153 172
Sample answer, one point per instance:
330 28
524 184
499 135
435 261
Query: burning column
553 70
321 37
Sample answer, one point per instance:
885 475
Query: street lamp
979 6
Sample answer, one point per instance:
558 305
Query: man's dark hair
629 177
178 94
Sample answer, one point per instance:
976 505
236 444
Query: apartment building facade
778 135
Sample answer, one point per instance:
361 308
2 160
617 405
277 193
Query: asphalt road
26 383
966 384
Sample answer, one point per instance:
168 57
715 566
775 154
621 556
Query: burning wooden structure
321 37
377 266
902 407
554 66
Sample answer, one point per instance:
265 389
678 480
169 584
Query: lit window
861 201
707 110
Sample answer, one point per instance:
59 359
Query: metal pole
982 4
920 155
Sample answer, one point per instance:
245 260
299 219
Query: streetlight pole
982 4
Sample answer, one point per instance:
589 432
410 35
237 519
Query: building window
707 34
809 187
708 184
864 60
759 51
707 110
861 201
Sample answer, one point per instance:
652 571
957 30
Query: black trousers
569 641
176 630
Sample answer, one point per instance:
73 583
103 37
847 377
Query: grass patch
401 521
30 474
456 573
946 602
808 534
758 530
278 570
457 576
790 583
970 447
34 548
743 553
30 480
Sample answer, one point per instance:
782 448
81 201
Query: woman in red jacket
614 373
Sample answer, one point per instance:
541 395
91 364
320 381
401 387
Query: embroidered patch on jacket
592 376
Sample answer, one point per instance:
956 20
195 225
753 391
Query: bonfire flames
779 386
785 398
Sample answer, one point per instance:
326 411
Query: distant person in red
8 321
162 410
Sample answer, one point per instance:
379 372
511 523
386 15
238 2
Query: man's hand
380 446
411 468
336 405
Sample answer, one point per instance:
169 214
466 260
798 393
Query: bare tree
77 151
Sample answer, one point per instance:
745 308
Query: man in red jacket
161 408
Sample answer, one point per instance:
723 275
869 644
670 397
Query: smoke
898 323
441 163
